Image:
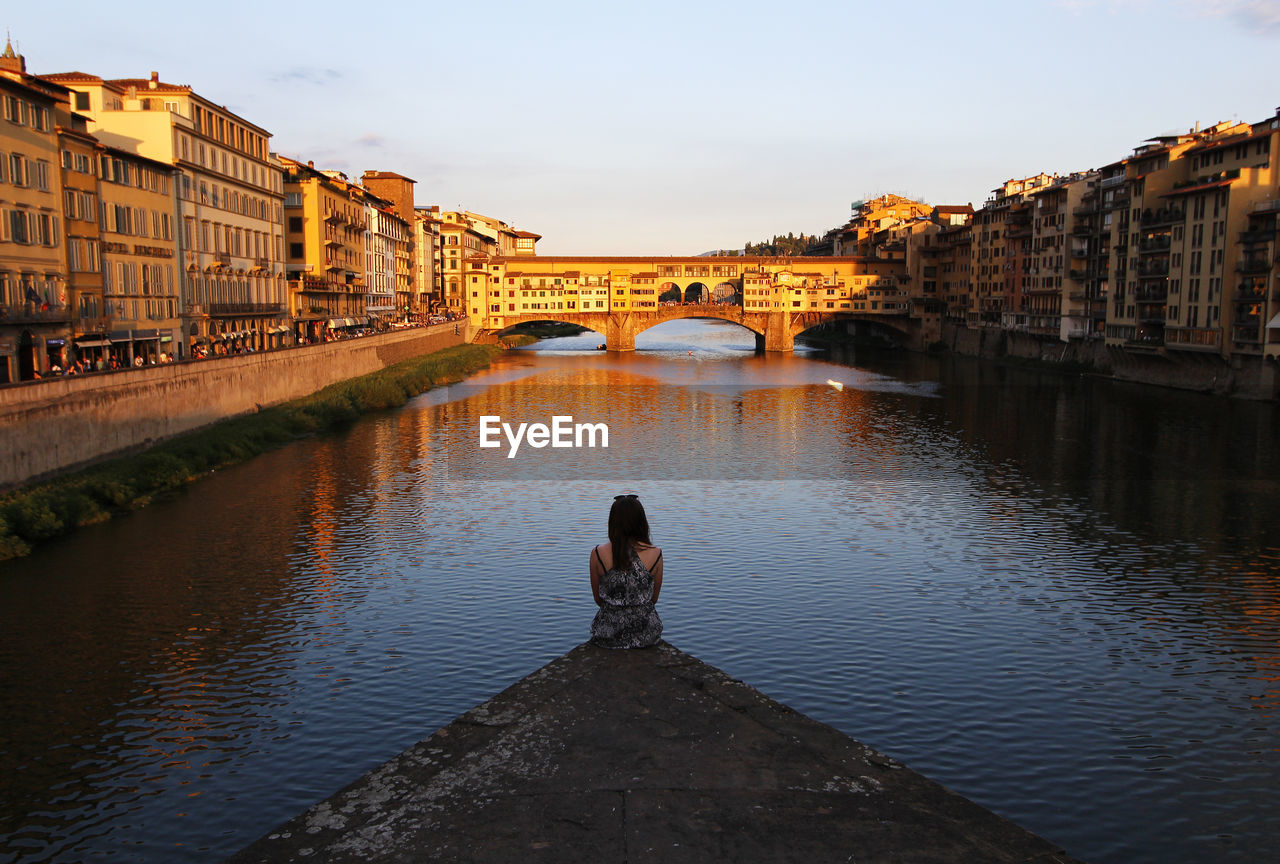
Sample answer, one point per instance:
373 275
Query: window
18 170
81 101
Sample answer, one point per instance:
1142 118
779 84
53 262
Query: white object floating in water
836 384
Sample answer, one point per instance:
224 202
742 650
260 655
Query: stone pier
643 756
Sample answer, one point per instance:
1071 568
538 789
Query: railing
1254 265
246 309
1269 206
1246 296
1151 295
1109 182
222 258
1153 244
1148 269
1162 216
1258 235
31 313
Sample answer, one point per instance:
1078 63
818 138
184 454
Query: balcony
32 313
1250 296
1258 235
1111 182
1254 265
1081 229
1151 295
1246 334
1153 269
1153 244
1161 216
1270 206
245 309
1120 200
223 258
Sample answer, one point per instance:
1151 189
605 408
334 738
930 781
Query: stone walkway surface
643 756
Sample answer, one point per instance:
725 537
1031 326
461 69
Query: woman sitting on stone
626 576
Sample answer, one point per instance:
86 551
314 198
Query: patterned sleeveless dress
627 619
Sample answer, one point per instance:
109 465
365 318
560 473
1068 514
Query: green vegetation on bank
39 512
792 244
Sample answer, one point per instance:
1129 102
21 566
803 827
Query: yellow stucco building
36 309
325 226
229 197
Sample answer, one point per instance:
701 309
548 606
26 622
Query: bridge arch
722 313
726 292
861 327
697 293
669 292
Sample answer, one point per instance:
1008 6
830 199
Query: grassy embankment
33 514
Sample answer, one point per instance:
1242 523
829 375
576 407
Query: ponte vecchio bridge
775 298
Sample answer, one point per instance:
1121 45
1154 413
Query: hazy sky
679 127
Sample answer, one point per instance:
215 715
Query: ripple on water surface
1009 601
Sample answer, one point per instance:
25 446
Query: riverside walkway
643 756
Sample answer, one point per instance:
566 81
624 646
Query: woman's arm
596 573
657 576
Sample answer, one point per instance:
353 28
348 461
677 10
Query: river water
1057 595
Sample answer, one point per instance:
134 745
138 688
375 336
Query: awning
1274 323
335 322
93 343
349 322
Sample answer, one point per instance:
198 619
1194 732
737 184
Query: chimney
155 79
311 163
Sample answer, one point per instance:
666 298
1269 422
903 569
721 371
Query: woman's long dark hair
627 526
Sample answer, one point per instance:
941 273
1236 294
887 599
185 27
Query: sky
675 128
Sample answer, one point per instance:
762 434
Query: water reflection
1056 595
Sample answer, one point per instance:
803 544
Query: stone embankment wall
53 425
1247 377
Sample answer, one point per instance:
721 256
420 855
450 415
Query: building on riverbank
36 312
426 260
396 228
140 275
324 249
79 158
228 200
